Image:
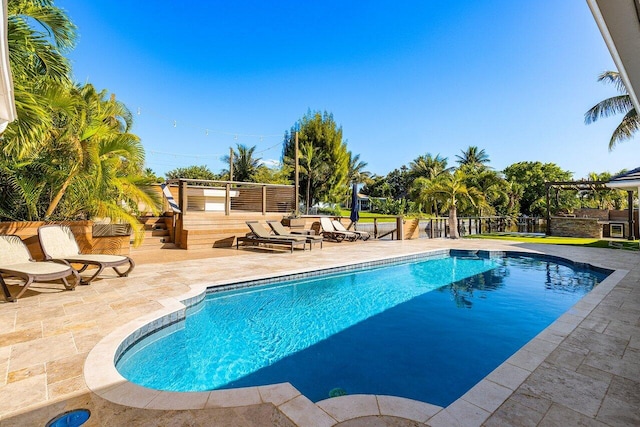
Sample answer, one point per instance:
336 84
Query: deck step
143 248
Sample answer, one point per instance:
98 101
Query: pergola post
548 225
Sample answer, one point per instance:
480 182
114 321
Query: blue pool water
426 330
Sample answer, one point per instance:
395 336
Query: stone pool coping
474 407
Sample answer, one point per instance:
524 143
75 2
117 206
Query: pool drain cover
337 392
74 418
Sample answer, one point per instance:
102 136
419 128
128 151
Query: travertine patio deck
584 370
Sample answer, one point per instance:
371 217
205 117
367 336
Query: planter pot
294 222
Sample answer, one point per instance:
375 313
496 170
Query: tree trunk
453 223
56 200
308 194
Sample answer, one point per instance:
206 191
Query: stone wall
602 214
576 227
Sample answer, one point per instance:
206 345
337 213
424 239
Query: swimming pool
426 330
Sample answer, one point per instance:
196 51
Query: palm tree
450 190
357 174
38 36
313 168
489 184
603 198
93 122
473 158
428 166
514 192
620 104
96 163
423 170
245 165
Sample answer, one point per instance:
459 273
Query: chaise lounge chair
59 244
279 229
330 232
259 235
17 262
364 235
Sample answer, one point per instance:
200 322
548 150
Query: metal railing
438 227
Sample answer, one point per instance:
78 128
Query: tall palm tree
357 174
313 168
473 158
428 166
620 104
245 164
450 190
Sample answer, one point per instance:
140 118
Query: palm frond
620 104
614 78
626 129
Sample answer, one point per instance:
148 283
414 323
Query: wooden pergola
590 186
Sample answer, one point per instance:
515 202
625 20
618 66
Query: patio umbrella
355 207
7 102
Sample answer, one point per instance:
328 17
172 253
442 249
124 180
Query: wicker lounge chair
279 229
364 235
17 262
330 232
259 235
59 244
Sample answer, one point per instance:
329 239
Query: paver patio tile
41 351
7 321
65 368
347 407
406 408
21 335
487 395
597 343
277 393
24 373
559 385
70 386
595 323
594 373
613 365
305 413
566 358
20 394
512 413
532 401
561 416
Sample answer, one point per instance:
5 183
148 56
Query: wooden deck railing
203 202
199 195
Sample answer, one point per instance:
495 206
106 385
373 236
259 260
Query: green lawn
552 240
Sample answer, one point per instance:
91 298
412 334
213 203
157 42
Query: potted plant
293 220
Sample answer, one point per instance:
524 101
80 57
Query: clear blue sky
402 78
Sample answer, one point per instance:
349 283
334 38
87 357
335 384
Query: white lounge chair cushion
13 251
36 268
58 242
97 258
